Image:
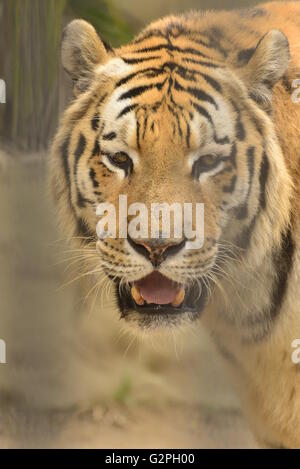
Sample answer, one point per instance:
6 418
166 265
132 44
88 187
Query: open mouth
156 289
156 295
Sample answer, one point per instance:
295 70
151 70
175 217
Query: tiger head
177 116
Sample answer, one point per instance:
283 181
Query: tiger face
175 117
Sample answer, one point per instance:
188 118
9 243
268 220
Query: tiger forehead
166 81
163 100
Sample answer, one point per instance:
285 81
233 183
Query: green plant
104 16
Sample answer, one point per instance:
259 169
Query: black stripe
188 134
158 47
202 96
156 71
80 148
109 136
250 159
203 112
93 178
172 48
84 230
213 83
240 130
138 134
178 124
82 201
245 55
96 149
150 34
95 122
196 93
145 126
126 110
189 75
233 154
283 263
139 90
135 92
175 114
81 145
201 62
243 240
282 266
65 157
242 212
139 60
239 127
230 188
263 177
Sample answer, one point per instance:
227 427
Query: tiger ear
81 51
266 66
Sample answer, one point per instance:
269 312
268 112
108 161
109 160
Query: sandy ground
74 377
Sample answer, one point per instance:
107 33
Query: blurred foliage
30 32
105 17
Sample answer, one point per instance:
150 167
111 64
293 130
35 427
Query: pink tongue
157 289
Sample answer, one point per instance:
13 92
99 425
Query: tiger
198 108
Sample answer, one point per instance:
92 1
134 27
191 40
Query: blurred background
74 376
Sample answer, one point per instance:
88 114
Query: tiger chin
197 108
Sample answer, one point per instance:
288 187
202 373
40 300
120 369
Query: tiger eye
207 160
204 164
122 160
120 157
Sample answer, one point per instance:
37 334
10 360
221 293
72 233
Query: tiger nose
156 250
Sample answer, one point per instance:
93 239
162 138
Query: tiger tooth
136 295
179 298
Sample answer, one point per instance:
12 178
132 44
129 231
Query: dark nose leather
156 250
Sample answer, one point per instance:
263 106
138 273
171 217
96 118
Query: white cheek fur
114 67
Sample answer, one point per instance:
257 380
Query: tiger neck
251 294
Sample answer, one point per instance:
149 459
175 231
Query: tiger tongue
157 289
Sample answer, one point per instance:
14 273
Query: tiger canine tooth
179 297
135 292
